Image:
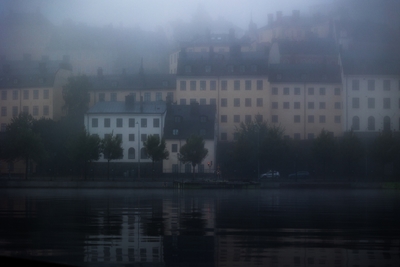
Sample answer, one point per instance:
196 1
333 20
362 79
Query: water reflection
209 228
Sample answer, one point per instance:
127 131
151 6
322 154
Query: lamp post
139 154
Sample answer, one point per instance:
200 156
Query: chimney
270 19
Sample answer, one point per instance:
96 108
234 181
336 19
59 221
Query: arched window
143 153
131 153
371 123
386 123
355 123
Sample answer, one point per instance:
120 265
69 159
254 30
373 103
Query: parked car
270 174
300 175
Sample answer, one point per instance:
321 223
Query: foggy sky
151 14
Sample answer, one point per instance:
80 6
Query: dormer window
242 68
175 131
165 83
253 68
203 119
188 69
177 119
208 69
230 68
114 84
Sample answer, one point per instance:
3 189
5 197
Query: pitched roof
190 121
122 107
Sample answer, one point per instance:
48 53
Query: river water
271 227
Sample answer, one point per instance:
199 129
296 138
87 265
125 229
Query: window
337 91
311 91
174 148
355 102
3 111
274 90
131 137
297 91
4 95
46 111
175 131
338 105
248 85
371 102
310 118
26 94
236 118
322 91
113 97
156 122
259 102
286 105
102 97
322 119
296 118
247 118
119 122
337 119
371 85
95 122
143 153
15 95
247 102
213 101
224 118
182 85
224 136
386 85
35 111
131 122
259 84
202 85
143 123
371 123
202 101
15 111
224 85
274 118
236 102
274 105
193 100
236 85
131 153
224 102
182 101
143 137
386 103
107 122
286 91
193 85
213 85
35 94
147 97
296 105
355 124
322 105
355 85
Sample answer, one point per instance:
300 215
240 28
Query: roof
304 73
121 107
190 121
133 82
308 47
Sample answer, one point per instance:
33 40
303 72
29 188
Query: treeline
260 147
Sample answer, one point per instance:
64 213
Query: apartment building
236 82
304 99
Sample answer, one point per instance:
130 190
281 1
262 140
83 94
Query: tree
83 149
76 97
21 142
351 151
384 149
155 148
193 151
323 148
111 149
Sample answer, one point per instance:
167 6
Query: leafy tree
21 142
156 148
351 151
384 149
76 97
111 149
83 149
193 151
323 149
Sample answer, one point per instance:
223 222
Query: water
202 228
